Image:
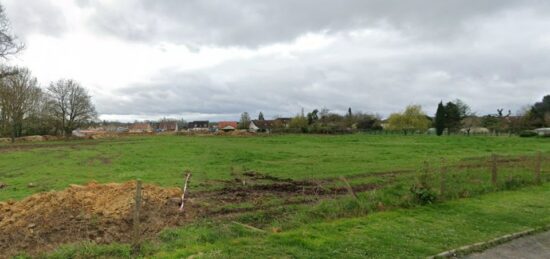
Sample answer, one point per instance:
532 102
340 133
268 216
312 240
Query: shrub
422 192
527 134
514 183
423 195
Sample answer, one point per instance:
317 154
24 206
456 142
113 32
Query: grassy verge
324 231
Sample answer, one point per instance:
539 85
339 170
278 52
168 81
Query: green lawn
403 233
161 159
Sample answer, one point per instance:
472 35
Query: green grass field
412 233
162 159
385 220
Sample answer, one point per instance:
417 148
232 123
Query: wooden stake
184 191
538 168
494 170
136 246
348 187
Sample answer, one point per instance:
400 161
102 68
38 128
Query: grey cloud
36 17
490 53
486 78
252 23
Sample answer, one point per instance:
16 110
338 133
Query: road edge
481 246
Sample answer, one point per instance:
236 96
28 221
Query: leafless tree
9 44
19 97
70 105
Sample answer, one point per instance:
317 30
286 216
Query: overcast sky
213 59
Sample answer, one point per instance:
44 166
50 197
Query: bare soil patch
100 213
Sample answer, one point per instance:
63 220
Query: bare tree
19 97
9 44
70 105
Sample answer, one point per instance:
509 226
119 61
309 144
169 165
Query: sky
214 59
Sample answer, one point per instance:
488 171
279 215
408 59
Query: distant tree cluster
412 120
326 122
450 117
27 109
455 117
539 114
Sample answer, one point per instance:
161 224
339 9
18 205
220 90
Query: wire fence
476 175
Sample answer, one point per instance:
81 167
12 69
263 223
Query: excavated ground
101 213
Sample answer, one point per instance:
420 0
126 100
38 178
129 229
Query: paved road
532 247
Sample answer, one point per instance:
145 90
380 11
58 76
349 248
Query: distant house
198 126
167 126
121 129
116 127
475 130
227 125
543 131
140 127
261 125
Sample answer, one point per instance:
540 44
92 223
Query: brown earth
100 213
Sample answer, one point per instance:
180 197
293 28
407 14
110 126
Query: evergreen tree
261 116
452 117
440 119
312 117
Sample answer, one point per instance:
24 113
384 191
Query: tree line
453 117
27 109
319 121
456 117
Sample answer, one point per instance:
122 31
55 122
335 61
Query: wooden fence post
443 175
538 168
494 170
136 239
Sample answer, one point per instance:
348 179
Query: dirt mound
102 213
